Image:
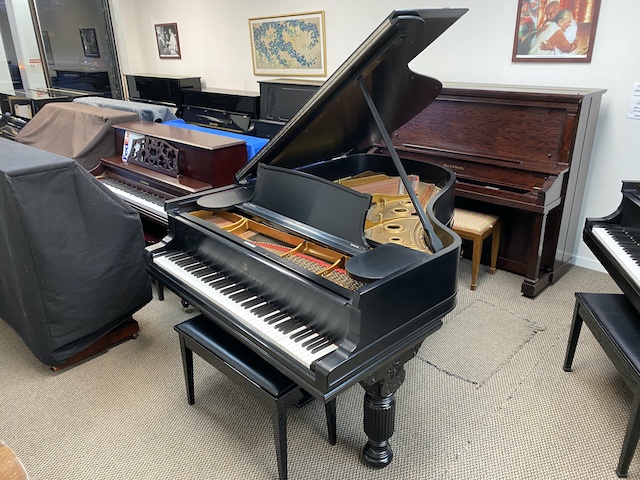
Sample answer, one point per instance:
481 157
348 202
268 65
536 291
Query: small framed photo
167 39
555 30
89 42
289 44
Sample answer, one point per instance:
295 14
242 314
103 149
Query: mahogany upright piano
170 162
281 257
519 152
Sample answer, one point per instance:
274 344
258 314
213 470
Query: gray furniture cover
80 132
71 254
145 111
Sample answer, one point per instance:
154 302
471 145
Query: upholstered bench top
619 319
473 222
239 357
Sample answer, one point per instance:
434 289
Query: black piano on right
615 241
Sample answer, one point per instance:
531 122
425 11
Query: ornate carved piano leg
380 409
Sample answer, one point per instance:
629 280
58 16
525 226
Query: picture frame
555 30
168 40
289 45
89 42
46 43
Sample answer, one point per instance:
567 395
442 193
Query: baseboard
590 263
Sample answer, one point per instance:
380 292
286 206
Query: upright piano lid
336 120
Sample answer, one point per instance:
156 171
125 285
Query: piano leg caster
184 303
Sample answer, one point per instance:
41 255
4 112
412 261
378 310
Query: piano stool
11 467
476 226
240 364
615 323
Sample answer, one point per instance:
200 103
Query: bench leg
495 246
475 261
574 334
279 417
630 439
330 410
187 366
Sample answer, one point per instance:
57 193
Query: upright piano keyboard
284 258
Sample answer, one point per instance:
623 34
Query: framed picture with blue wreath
289 44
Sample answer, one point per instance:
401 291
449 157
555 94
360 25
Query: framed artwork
555 30
89 42
167 39
289 45
47 47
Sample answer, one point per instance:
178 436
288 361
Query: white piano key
143 203
626 262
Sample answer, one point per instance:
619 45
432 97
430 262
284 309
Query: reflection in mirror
77 46
10 79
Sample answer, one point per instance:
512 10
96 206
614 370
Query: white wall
214 40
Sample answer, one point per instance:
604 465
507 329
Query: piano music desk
235 360
615 323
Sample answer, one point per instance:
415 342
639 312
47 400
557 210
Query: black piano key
231 289
289 326
275 318
320 347
175 254
309 342
263 310
299 336
240 296
210 276
252 303
321 342
194 267
203 273
186 262
222 283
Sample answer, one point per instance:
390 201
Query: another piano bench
615 323
476 227
240 364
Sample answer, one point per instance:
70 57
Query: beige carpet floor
486 398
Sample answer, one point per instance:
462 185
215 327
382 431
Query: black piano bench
615 323
247 369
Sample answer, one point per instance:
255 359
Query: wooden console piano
171 162
521 153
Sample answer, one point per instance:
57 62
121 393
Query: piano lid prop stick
433 240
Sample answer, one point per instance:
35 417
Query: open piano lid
337 120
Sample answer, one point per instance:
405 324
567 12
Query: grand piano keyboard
624 245
138 198
290 334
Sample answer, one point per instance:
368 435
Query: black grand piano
292 259
615 241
